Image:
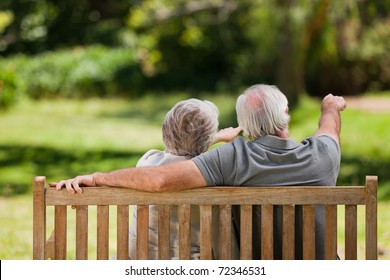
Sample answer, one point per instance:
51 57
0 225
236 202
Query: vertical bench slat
142 232
225 232
288 239
246 232
371 217
102 231
351 232
308 232
206 252
331 232
39 218
60 216
184 232
164 232
122 232
82 232
267 232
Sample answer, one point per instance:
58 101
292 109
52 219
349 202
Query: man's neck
282 134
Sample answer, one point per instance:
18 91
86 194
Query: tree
42 25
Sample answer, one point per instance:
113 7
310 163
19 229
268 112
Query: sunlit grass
383 231
78 125
16 230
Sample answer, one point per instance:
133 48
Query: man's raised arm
171 177
330 121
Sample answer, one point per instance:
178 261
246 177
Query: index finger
59 185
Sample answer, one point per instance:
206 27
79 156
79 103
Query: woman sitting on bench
189 129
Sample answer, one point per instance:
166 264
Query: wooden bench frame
331 197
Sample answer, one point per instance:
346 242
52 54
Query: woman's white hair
262 110
190 127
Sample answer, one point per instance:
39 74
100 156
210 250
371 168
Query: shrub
11 85
79 72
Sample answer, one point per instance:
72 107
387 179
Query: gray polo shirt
271 161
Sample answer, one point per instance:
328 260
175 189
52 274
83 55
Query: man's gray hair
190 127
262 110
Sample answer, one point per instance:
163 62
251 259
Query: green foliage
11 86
189 44
79 72
186 45
351 55
6 17
43 25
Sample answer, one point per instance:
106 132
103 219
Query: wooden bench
225 197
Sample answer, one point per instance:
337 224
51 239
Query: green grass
16 230
62 138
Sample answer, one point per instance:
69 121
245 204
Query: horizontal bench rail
212 196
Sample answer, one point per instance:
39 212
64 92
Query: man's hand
227 134
73 185
333 102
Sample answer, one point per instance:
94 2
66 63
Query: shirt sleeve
332 150
214 164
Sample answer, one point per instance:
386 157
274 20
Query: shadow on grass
19 164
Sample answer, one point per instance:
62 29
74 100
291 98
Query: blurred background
85 84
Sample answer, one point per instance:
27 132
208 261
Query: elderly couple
268 157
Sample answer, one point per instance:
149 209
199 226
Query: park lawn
16 230
63 138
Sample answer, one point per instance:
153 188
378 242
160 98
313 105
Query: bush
79 72
11 86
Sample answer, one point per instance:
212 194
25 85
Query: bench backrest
225 197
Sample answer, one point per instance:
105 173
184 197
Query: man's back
270 161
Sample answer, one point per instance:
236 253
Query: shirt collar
277 142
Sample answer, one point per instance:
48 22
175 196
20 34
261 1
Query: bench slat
350 232
308 232
246 232
60 215
288 239
206 252
225 231
371 218
122 232
39 218
330 232
184 232
267 232
143 232
164 232
102 231
81 232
